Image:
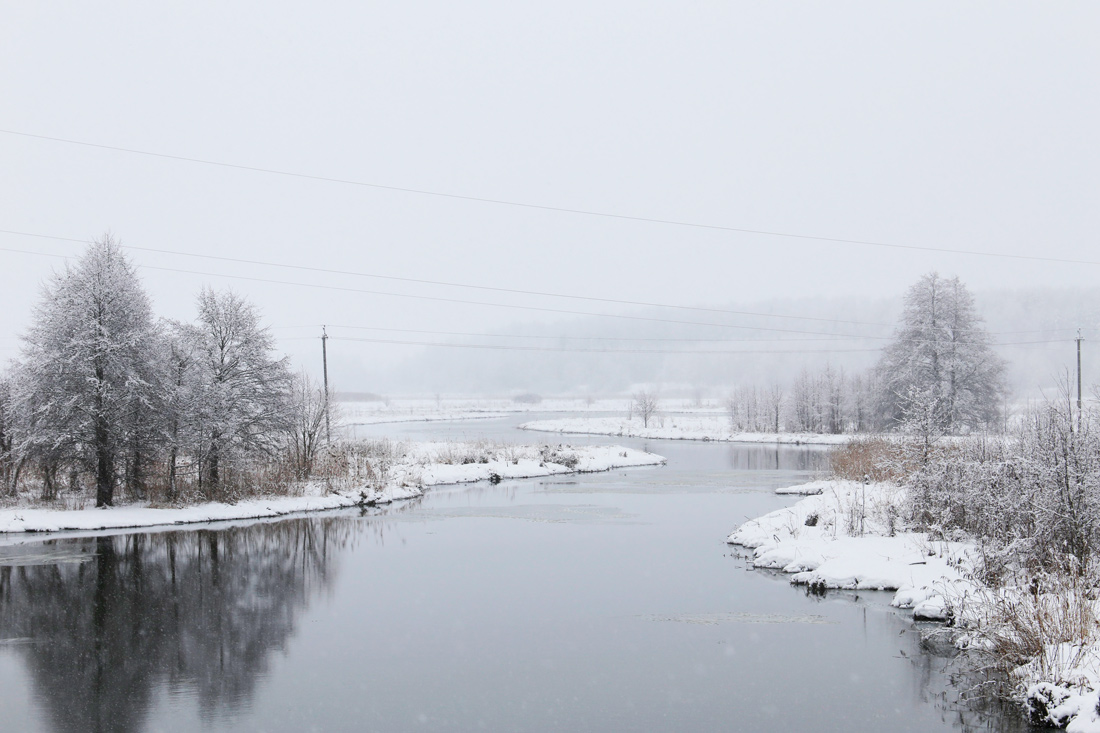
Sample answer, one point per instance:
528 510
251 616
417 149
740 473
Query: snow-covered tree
83 383
941 352
242 389
182 416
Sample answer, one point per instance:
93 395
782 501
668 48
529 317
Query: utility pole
1078 380
325 363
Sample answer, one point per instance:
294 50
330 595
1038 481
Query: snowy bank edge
919 570
21 521
578 426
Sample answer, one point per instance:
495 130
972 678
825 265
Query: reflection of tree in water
199 610
764 457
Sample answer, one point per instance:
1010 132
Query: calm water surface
601 602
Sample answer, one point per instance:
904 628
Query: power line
469 286
514 347
769 329
440 299
588 338
421 281
650 338
545 207
535 308
642 338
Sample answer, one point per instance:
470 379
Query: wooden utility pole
1078 380
324 363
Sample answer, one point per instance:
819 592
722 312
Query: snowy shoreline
679 427
843 535
421 469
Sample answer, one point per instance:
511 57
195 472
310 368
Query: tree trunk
212 473
172 491
104 468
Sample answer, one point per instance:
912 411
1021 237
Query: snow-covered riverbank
845 535
676 427
417 466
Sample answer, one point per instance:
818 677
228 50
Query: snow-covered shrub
1031 500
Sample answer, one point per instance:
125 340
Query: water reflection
197 611
621 610
744 457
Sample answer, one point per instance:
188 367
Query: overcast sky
948 125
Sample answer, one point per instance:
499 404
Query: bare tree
773 400
645 405
735 409
833 419
804 403
309 406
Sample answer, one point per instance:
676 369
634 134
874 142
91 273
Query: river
600 602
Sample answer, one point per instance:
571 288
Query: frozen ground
676 427
416 466
845 534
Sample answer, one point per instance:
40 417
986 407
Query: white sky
936 124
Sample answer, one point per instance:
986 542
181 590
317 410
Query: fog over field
438 170
1037 327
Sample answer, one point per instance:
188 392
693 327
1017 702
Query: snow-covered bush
1031 500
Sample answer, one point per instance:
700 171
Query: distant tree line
106 396
938 375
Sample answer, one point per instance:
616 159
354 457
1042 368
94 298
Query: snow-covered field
422 409
676 427
844 534
417 466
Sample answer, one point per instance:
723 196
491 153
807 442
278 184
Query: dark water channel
601 602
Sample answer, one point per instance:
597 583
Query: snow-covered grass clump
1045 638
676 427
358 473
